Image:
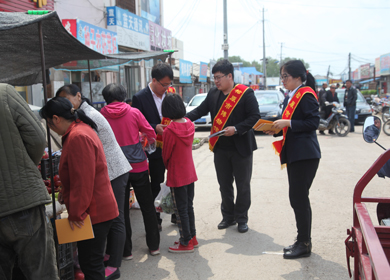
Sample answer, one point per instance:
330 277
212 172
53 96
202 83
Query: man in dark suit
233 152
350 98
149 101
331 96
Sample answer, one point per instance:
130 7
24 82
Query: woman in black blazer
299 148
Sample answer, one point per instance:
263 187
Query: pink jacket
177 153
127 122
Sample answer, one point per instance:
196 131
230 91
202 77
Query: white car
204 121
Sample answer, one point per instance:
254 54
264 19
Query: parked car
204 121
363 110
270 104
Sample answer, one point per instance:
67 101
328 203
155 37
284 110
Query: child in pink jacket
178 137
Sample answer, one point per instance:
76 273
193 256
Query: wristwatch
235 130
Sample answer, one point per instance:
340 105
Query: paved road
227 254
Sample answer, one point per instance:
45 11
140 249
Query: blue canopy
369 80
250 70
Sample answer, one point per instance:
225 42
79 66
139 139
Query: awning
369 80
250 70
20 57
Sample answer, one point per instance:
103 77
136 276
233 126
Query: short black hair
162 70
114 92
348 81
173 107
72 89
128 100
224 66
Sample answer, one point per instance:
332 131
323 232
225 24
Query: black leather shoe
173 219
331 132
301 250
225 224
321 132
159 227
115 275
289 248
242 227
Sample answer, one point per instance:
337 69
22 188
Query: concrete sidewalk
228 254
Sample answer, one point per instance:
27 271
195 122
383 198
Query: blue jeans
28 234
351 111
183 198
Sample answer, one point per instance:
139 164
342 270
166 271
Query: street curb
202 141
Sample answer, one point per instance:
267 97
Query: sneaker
194 242
128 258
179 248
155 252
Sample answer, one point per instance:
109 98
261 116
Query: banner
97 38
377 67
185 71
203 72
132 30
160 38
365 71
385 64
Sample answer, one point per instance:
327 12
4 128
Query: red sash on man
289 111
164 121
224 112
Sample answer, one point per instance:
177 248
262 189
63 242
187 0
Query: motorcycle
380 106
367 243
336 120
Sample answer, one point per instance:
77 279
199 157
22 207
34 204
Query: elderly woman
86 184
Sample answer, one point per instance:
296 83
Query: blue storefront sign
132 30
185 71
203 72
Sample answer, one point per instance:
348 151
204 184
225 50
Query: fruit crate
45 168
66 273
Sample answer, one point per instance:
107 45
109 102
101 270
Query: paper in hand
219 133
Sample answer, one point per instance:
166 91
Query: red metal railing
367 248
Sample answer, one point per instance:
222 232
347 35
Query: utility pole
349 66
281 51
327 75
264 59
225 46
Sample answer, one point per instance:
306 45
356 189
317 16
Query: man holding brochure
234 110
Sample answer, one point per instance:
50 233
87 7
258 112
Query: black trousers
91 252
183 198
141 185
157 173
117 235
230 166
300 177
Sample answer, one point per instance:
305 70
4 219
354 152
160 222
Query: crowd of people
102 157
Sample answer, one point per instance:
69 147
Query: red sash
224 112
289 111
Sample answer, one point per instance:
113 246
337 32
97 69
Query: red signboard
255 87
25 5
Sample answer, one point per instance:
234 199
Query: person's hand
160 128
78 224
269 132
280 124
229 131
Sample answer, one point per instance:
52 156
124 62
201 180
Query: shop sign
212 63
150 9
203 72
365 71
94 37
321 81
132 30
185 71
385 64
377 67
160 38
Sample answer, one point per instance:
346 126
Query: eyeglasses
284 77
217 78
165 86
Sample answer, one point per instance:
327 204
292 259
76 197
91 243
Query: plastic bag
164 201
148 144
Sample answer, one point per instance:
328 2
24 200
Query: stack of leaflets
264 125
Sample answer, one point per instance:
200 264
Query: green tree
272 67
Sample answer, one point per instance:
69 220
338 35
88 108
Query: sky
323 33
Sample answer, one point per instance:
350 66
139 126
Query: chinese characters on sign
133 31
97 38
203 72
185 71
160 38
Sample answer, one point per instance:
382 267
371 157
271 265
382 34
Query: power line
215 26
174 18
185 25
326 7
245 32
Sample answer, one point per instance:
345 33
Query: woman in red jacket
178 137
86 185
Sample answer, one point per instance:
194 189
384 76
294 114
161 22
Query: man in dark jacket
331 96
149 101
350 98
25 230
234 110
